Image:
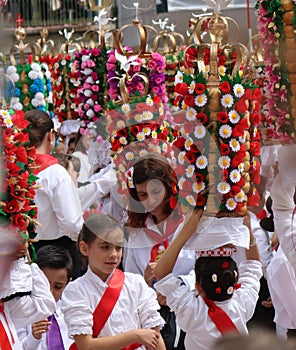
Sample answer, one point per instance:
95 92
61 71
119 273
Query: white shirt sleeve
31 308
285 226
67 208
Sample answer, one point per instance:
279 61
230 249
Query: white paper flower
33 75
235 176
234 116
189 198
89 80
87 93
190 114
223 187
143 152
222 70
87 71
200 131
238 90
201 162
188 143
123 140
125 108
138 118
90 113
234 145
8 121
225 131
201 100
240 197
227 100
224 162
241 167
181 157
198 187
191 87
140 136
149 101
179 78
147 131
90 102
181 182
129 156
190 171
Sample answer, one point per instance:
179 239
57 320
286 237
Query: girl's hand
161 299
39 328
149 275
148 337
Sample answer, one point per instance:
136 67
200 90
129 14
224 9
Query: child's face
152 194
103 256
58 279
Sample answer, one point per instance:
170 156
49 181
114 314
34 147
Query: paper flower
17 206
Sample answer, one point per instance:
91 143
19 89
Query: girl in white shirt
132 320
218 308
59 210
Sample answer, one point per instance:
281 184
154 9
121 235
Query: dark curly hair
150 168
217 276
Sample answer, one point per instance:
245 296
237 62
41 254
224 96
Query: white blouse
285 224
281 280
31 343
137 252
135 308
25 310
192 312
59 210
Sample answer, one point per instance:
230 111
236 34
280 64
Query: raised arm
252 253
167 261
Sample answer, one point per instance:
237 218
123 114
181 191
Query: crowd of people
115 274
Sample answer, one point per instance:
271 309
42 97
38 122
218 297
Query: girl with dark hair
153 220
106 308
226 295
59 210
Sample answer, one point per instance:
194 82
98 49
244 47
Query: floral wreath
152 67
91 67
17 206
65 83
32 87
276 109
229 131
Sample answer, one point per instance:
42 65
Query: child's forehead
114 236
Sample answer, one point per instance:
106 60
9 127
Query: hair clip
214 278
237 286
230 290
235 273
225 265
218 290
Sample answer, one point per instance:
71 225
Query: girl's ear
198 287
83 247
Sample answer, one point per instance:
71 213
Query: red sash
106 305
43 161
220 318
4 341
171 227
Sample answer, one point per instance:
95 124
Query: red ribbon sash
220 318
106 305
4 341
